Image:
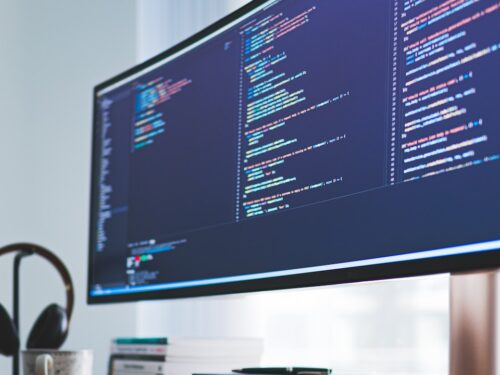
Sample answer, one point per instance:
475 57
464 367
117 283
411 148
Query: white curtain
163 23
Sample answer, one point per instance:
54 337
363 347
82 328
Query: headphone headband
52 259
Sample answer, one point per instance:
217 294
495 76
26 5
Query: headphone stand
15 306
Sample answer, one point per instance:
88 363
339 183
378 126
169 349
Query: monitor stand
475 325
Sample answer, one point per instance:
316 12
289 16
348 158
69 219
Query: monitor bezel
386 271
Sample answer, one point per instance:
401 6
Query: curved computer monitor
298 143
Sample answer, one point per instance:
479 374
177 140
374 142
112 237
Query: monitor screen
297 143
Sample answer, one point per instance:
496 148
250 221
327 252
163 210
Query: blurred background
52 54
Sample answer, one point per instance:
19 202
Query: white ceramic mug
55 362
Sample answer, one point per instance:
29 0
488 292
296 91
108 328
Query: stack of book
182 356
138 356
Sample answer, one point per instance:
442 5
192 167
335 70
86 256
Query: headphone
51 328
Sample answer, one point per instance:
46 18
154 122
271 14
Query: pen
284 370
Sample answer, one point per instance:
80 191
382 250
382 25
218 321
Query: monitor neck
474 323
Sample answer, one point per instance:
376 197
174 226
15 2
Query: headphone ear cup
50 329
9 341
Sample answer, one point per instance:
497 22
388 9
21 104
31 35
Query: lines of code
105 188
275 106
448 49
149 120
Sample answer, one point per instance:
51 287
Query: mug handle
44 365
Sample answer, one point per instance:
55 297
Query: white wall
12 177
52 53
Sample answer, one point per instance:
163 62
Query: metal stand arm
15 308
